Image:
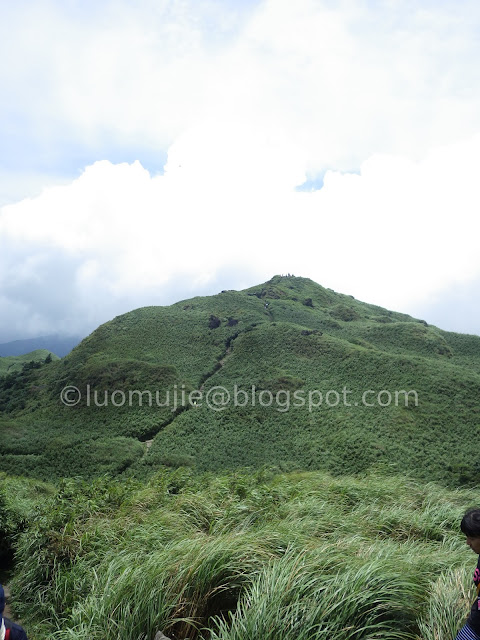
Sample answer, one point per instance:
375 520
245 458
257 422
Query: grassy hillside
11 364
239 556
296 360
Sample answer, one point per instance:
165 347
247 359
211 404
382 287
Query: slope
10 364
314 380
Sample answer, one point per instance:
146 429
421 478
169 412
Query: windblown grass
245 556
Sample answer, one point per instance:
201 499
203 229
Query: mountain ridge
284 337
10 364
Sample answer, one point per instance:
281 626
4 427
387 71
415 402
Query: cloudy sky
152 150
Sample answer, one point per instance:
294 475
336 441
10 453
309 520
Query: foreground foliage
241 556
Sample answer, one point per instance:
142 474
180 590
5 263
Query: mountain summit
285 374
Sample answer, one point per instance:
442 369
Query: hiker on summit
8 629
470 526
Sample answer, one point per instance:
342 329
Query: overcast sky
153 150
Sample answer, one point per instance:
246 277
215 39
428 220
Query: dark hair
470 524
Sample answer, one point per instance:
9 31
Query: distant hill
317 380
12 364
59 345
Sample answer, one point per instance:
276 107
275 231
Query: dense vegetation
239 556
289 336
267 519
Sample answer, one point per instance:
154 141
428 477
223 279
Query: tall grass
448 606
295 598
245 556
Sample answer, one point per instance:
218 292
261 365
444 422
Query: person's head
470 526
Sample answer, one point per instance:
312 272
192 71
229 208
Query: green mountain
315 379
11 364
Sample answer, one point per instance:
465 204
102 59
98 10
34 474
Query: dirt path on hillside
220 363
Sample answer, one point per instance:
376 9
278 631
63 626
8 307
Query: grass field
239 556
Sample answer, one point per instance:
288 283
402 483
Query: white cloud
342 81
249 99
115 238
402 231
